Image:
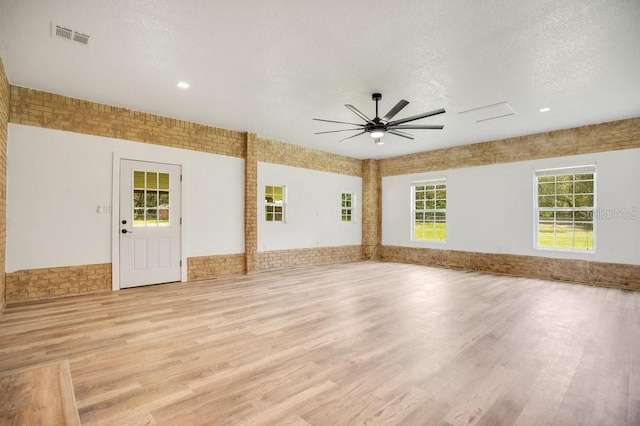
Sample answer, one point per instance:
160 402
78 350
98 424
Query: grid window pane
274 203
347 204
138 179
163 180
429 213
566 203
147 199
152 180
152 199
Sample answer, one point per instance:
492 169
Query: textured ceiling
270 67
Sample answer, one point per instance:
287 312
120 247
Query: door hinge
180 221
181 263
180 178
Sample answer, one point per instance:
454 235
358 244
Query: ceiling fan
378 127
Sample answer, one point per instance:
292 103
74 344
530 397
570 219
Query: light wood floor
356 343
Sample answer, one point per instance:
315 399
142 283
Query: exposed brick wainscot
204 267
61 281
614 275
282 259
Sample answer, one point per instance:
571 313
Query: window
565 207
348 203
274 198
150 198
429 211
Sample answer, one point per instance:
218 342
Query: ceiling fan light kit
378 127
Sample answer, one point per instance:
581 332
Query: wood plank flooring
38 395
355 343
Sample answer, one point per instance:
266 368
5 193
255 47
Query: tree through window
565 207
429 210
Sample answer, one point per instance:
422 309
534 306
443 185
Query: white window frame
351 210
414 210
564 171
283 204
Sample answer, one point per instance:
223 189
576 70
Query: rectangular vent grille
69 34
80 38
63 32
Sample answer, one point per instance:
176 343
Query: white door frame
115 212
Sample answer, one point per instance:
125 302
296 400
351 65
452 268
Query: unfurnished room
320 213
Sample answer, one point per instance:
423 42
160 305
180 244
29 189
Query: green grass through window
565 237
430 231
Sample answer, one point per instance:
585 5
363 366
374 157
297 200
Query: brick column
371 209
251 203
4 120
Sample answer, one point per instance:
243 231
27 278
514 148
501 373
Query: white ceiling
269 67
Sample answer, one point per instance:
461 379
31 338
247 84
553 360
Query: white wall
56 180
490 209
313 209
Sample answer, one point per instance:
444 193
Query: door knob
124 231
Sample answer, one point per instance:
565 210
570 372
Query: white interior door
150 223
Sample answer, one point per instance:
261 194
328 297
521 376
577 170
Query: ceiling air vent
58 31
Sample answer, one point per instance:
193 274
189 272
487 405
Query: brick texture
602 274
611 136
270 151
37 108
205 267
371 209
54 282
251 203
42 109
4 122
282 259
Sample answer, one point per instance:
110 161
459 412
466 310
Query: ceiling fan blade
339 122
427 127
352 136
403 134
336 131
396 109
358 113
417 117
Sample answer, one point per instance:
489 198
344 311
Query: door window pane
164 180
151 206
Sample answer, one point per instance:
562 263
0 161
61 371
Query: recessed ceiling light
545 109
183 85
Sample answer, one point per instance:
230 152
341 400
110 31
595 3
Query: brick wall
61 281
579 271
36 108
204 267
270 151
612 136
41 109
371 209
4 120
282 259
251 203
